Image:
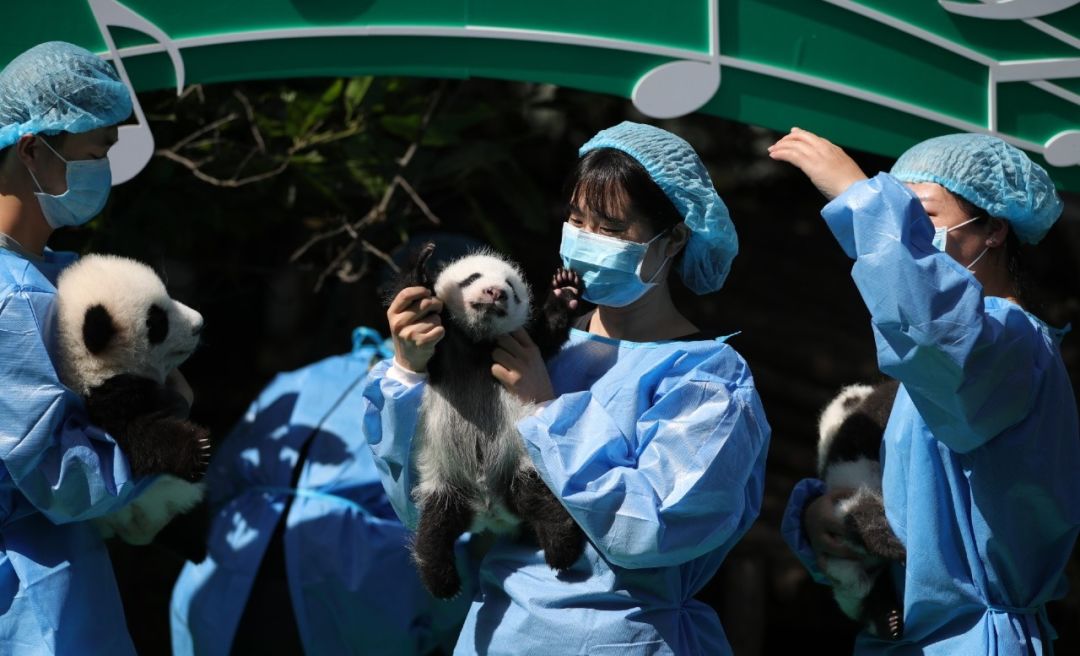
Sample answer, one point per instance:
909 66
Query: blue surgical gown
352 585
981 453
657 450
58 594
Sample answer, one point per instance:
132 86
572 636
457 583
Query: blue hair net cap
679 172
989 173
59 87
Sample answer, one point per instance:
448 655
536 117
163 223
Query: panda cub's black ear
98 329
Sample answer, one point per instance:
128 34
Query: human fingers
505 358
407 297
422 334
507 377
418 312
508 344
523 339
794 145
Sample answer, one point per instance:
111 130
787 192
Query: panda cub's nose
496 294
197 329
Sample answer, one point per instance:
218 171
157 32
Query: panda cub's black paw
566 287
169 445
441 579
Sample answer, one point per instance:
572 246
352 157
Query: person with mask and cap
981 451
649 430
59 107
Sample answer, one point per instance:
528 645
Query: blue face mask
941 238
610 268
88 184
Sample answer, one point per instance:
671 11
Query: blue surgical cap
679 172
59 87
990 174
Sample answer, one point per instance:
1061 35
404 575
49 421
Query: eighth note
135 144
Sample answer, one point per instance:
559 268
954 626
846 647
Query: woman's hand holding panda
175 381
415 326
521 369
826 530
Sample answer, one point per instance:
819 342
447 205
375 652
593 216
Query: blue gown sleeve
968 370
391 411
677 481
791 527
67 468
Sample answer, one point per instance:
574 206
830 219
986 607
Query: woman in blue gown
648 430
981 452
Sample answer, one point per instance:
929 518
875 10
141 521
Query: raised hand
830 169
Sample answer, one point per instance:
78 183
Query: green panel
685 24
1002 40
1068 20
819 39
193 18
814 38
344 56
1035 114
779 105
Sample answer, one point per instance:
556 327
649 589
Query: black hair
1014 254
602 177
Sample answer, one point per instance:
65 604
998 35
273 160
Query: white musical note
1007 9
682 87
1063 149
135 144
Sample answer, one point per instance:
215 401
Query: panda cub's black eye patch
157 321
470 280
98 329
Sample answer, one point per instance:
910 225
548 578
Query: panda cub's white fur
126 289
496 301
476 308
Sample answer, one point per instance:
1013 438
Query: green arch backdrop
874 74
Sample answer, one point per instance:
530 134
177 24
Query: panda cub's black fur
473 471
849 447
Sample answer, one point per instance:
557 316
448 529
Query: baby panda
474 474
118 336
849 446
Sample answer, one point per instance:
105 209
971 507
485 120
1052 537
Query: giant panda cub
118 335
474 474
849 446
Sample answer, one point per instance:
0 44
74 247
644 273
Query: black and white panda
474 474
849 445
119 334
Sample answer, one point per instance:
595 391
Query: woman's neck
651 318
996 279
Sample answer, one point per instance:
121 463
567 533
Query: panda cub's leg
559 535
444 515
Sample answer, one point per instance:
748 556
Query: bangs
602 191
612 184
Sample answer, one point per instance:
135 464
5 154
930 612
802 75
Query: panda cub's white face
484 294
114 316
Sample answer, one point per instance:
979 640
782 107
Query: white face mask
941 236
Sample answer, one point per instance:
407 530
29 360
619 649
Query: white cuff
404 376
539 407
